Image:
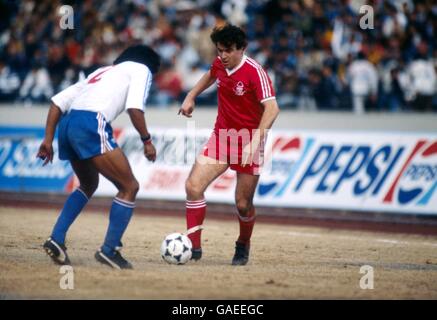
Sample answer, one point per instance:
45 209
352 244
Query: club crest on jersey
239 88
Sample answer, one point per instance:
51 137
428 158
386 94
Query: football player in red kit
247 108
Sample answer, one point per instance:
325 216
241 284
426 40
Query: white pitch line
381 240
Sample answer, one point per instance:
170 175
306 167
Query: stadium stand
315 51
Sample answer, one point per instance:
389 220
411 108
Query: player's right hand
45 152
187 107
150 152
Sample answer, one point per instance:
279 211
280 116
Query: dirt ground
287 262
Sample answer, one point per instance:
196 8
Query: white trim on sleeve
266 99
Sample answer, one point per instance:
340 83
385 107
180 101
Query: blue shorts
83 135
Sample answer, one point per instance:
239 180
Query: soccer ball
176 248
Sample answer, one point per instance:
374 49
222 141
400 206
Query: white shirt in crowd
9 80
363 78
37 84
422 77
109 90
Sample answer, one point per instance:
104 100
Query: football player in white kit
84 112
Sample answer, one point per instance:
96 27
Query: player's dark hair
229 35
141 54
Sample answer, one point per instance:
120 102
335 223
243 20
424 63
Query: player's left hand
45 152
150 152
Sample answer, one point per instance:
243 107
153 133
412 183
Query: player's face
231 56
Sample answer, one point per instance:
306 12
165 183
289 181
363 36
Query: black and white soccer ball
176 248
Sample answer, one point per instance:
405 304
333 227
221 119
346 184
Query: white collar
243 60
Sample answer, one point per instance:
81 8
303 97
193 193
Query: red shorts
230 151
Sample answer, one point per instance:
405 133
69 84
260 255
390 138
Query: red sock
246 226
196 211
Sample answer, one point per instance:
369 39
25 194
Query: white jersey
109 90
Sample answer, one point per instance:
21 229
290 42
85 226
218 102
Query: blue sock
119 217
72 207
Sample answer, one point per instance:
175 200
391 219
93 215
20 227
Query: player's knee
193 190
243 207
132 187
89 188
135 187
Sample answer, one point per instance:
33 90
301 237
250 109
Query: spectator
323 84
423 82
396 101
9 83
363 80
37 87
70 77
289 38
190 78
169 85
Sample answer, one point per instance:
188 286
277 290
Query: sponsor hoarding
370 171
21 171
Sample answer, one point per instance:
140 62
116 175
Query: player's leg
89 180
114 166
244 193
204 171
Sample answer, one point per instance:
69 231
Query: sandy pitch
287 262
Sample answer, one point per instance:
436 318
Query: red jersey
240 94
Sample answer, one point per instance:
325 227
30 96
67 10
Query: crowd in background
317 52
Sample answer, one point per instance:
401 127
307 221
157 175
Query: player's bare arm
138 121
271 111
204 83
45 151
